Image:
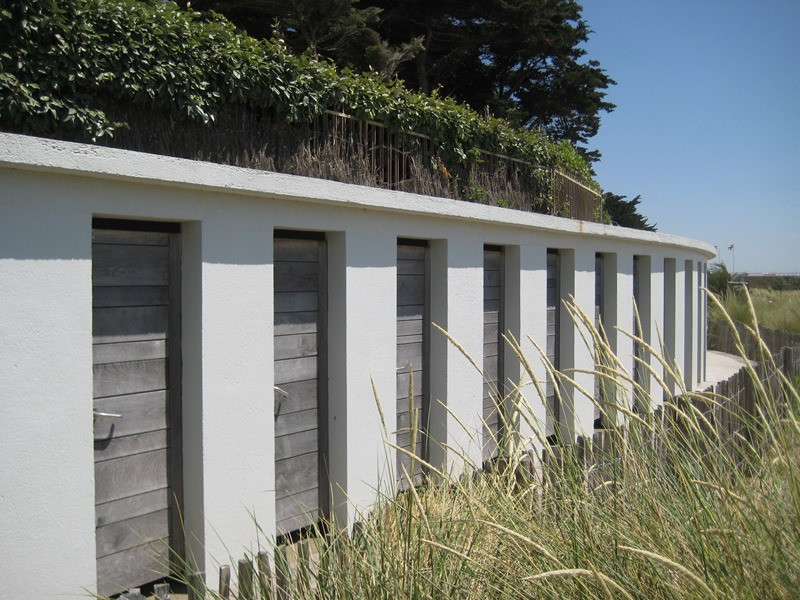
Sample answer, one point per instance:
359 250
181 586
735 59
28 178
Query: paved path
719 367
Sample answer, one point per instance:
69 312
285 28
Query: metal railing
395 159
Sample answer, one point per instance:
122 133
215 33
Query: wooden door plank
288 509
291 323
130 475
299 345
128 351
295 250
132 506
131 532
295 369
296 474
139 238
126 295
296 422
296 276
286 302
299 396
117 447
114 265
296 444
140 413
121 571
131 377
129 324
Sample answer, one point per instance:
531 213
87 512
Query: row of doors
137 366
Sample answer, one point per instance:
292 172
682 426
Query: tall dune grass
675 510
774 309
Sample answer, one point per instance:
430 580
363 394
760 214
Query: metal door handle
96 414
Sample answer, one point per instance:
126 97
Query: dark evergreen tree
625 212
521 60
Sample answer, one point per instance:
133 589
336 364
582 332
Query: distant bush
718 278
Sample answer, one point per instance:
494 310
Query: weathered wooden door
493 328
137 401
553 333
301 482
598 312
413 329
637 349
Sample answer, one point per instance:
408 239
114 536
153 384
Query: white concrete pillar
700 326
47 515
231 422
577 281
526 320
362 314
643 306
680 323
669 348
456 407
656 328
690 331
624 320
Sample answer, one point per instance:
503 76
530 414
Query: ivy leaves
66 66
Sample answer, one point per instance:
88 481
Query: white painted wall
49 192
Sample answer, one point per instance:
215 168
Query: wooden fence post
264 576
225 582
282 575
246 579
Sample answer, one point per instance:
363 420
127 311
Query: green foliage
718 278
69 69
779 310
625 213
522 60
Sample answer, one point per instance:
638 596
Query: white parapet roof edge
39 154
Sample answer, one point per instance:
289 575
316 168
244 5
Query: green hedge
65 67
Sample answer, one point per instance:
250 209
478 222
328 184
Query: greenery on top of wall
68 67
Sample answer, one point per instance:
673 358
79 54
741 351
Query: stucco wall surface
49 193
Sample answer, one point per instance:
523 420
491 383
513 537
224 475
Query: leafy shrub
69 68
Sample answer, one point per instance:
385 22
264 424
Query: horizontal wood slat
139 238
288 302
130 265
147 295
291 323
297 276
116 446
129 324
299 345
296 422
132 377
131 532
127 351
140 413
133 506
295 369
123 570
302 502
296 474
130 475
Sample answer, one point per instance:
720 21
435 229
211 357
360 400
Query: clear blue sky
707 124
